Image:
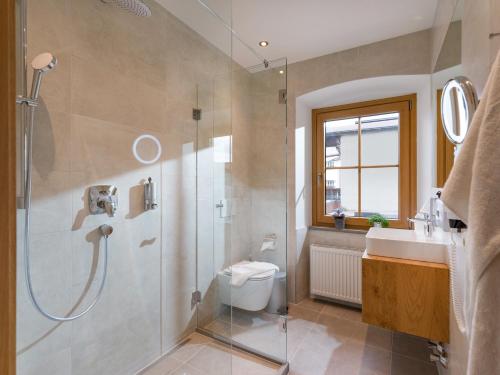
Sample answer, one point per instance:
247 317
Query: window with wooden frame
364 162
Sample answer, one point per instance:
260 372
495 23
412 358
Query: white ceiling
303 29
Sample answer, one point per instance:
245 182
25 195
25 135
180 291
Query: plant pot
377 225
339 223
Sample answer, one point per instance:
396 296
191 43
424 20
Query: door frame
8 188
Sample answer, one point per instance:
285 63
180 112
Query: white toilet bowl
253 295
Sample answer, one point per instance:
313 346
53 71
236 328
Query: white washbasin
408 244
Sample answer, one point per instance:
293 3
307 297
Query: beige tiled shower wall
268 168
120 76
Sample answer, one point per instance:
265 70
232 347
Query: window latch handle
320 177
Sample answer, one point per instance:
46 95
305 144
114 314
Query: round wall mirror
146 149
458 104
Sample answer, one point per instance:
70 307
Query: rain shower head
41 64
136 7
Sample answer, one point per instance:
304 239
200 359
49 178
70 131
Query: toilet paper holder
269 242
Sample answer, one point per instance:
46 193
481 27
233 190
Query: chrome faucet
429 220
429 224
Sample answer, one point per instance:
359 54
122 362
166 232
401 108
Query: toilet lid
260 276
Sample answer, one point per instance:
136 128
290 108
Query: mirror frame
465 86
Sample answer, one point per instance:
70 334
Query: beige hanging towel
473 193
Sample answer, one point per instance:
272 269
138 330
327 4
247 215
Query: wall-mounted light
263 43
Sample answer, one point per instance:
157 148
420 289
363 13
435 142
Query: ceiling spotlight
263 43
282 72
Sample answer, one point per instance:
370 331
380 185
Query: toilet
253 295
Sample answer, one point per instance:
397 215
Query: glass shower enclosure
241 207
163 92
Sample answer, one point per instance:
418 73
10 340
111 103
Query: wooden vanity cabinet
407 296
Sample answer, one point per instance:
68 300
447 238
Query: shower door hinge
282 96
283 323
196 114
195 298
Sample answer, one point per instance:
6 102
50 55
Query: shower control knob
103 199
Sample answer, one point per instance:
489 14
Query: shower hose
27 206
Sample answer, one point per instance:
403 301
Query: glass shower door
241 208
213 203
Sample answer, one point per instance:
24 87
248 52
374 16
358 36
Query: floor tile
163 366
311 304
344 312
245 364
410 346
402 365
189 347
187 370
307 361
213 359
302 313
341 328
358 359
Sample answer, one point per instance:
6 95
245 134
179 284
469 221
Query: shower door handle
220 206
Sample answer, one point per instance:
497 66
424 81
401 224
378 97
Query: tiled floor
329 339
200 355
323 339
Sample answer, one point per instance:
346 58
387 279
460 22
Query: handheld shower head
44 62
41 64
136 7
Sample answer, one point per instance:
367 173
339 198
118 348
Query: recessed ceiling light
263 43
282 72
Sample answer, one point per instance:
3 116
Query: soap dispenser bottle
150 201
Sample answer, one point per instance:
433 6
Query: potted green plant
378 221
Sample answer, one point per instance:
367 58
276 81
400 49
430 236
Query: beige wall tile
99 91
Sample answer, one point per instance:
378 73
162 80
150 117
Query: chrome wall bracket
28 101
282 96
103 199
196 114
195 298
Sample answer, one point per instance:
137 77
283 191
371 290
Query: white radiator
336 273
